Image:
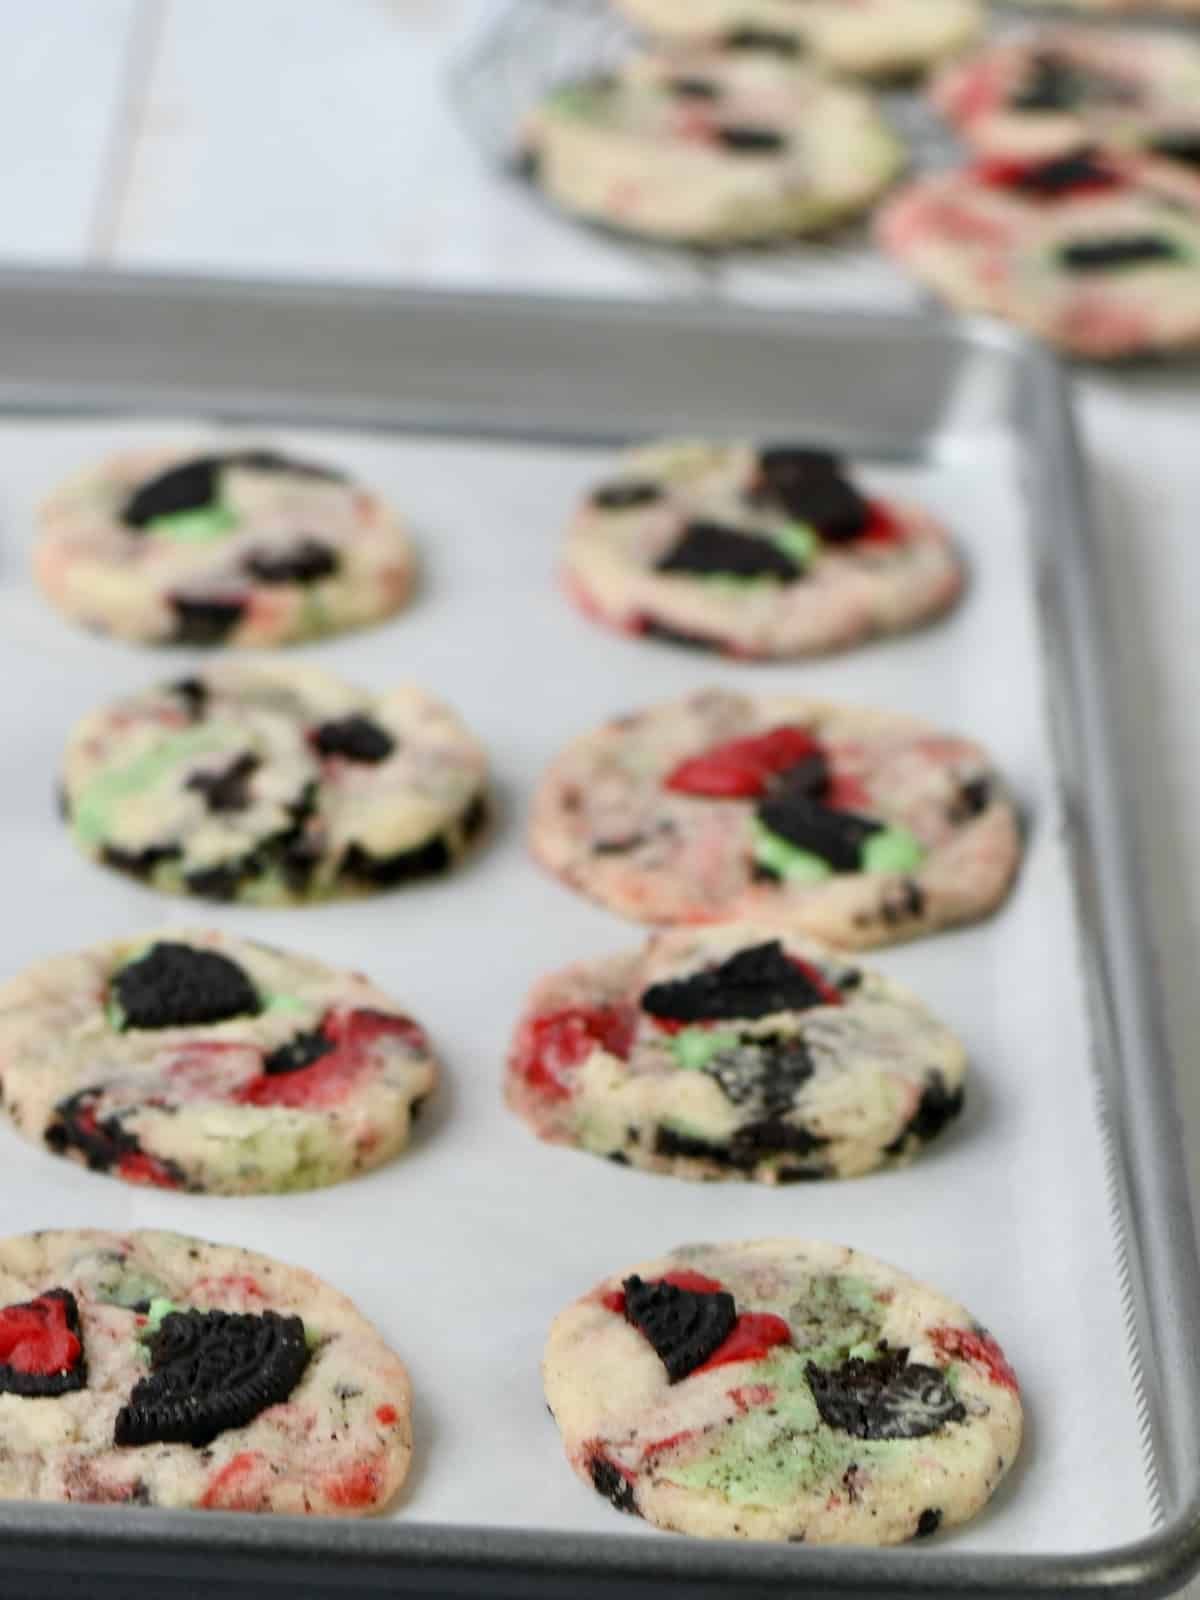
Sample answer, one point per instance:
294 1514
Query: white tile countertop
272 138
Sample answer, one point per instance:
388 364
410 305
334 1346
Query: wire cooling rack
524 48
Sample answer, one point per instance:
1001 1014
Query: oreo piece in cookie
204 622
177 986
298 1053
837 837
228 790
886 1397
1113 254
212 1371
308 561
708 549
684 1326
356 738
753 983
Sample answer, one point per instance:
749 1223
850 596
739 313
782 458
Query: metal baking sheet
1057 1211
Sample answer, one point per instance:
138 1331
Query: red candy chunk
740 769
881 527
35 1338
977 1347
553 1045
754 1336
830 995
329 1078
136 1166
1055 179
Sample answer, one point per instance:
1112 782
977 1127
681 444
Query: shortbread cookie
242 547
734 1052
273 784
858 827
152 1369
1097 253
771 551
782 1390
193 1060
711 147
871 38
1048 92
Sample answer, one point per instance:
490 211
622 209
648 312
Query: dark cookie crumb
608 1481
307 561
223 882
386 872
753 983
211 1371
140 863
780 44
194 694
745 140
355 738
694 88
837 837
928 1523
651 628
205 622
228 790
103 1144
709 549
684 1326
1118 250
886 1398
937 1107
176 986
298 1053
905 904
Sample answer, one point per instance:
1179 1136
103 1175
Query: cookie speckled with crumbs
711 147
771 550
274 784
237 547
782 1390
196 1375
743 1051
194 1060
855 826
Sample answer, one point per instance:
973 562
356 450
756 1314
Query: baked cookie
871 38
711 147
151 1369
735 1052
273 784
858 827
1097 253
1047 93
244 547
755 552
1179 8
193 1060
782 1390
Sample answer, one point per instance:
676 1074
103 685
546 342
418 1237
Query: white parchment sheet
463 1249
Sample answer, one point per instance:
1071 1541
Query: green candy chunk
799 541
777 855
160 1307
195 527
694 1048
93 809
893 850
282 1002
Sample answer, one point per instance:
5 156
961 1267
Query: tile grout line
144 36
